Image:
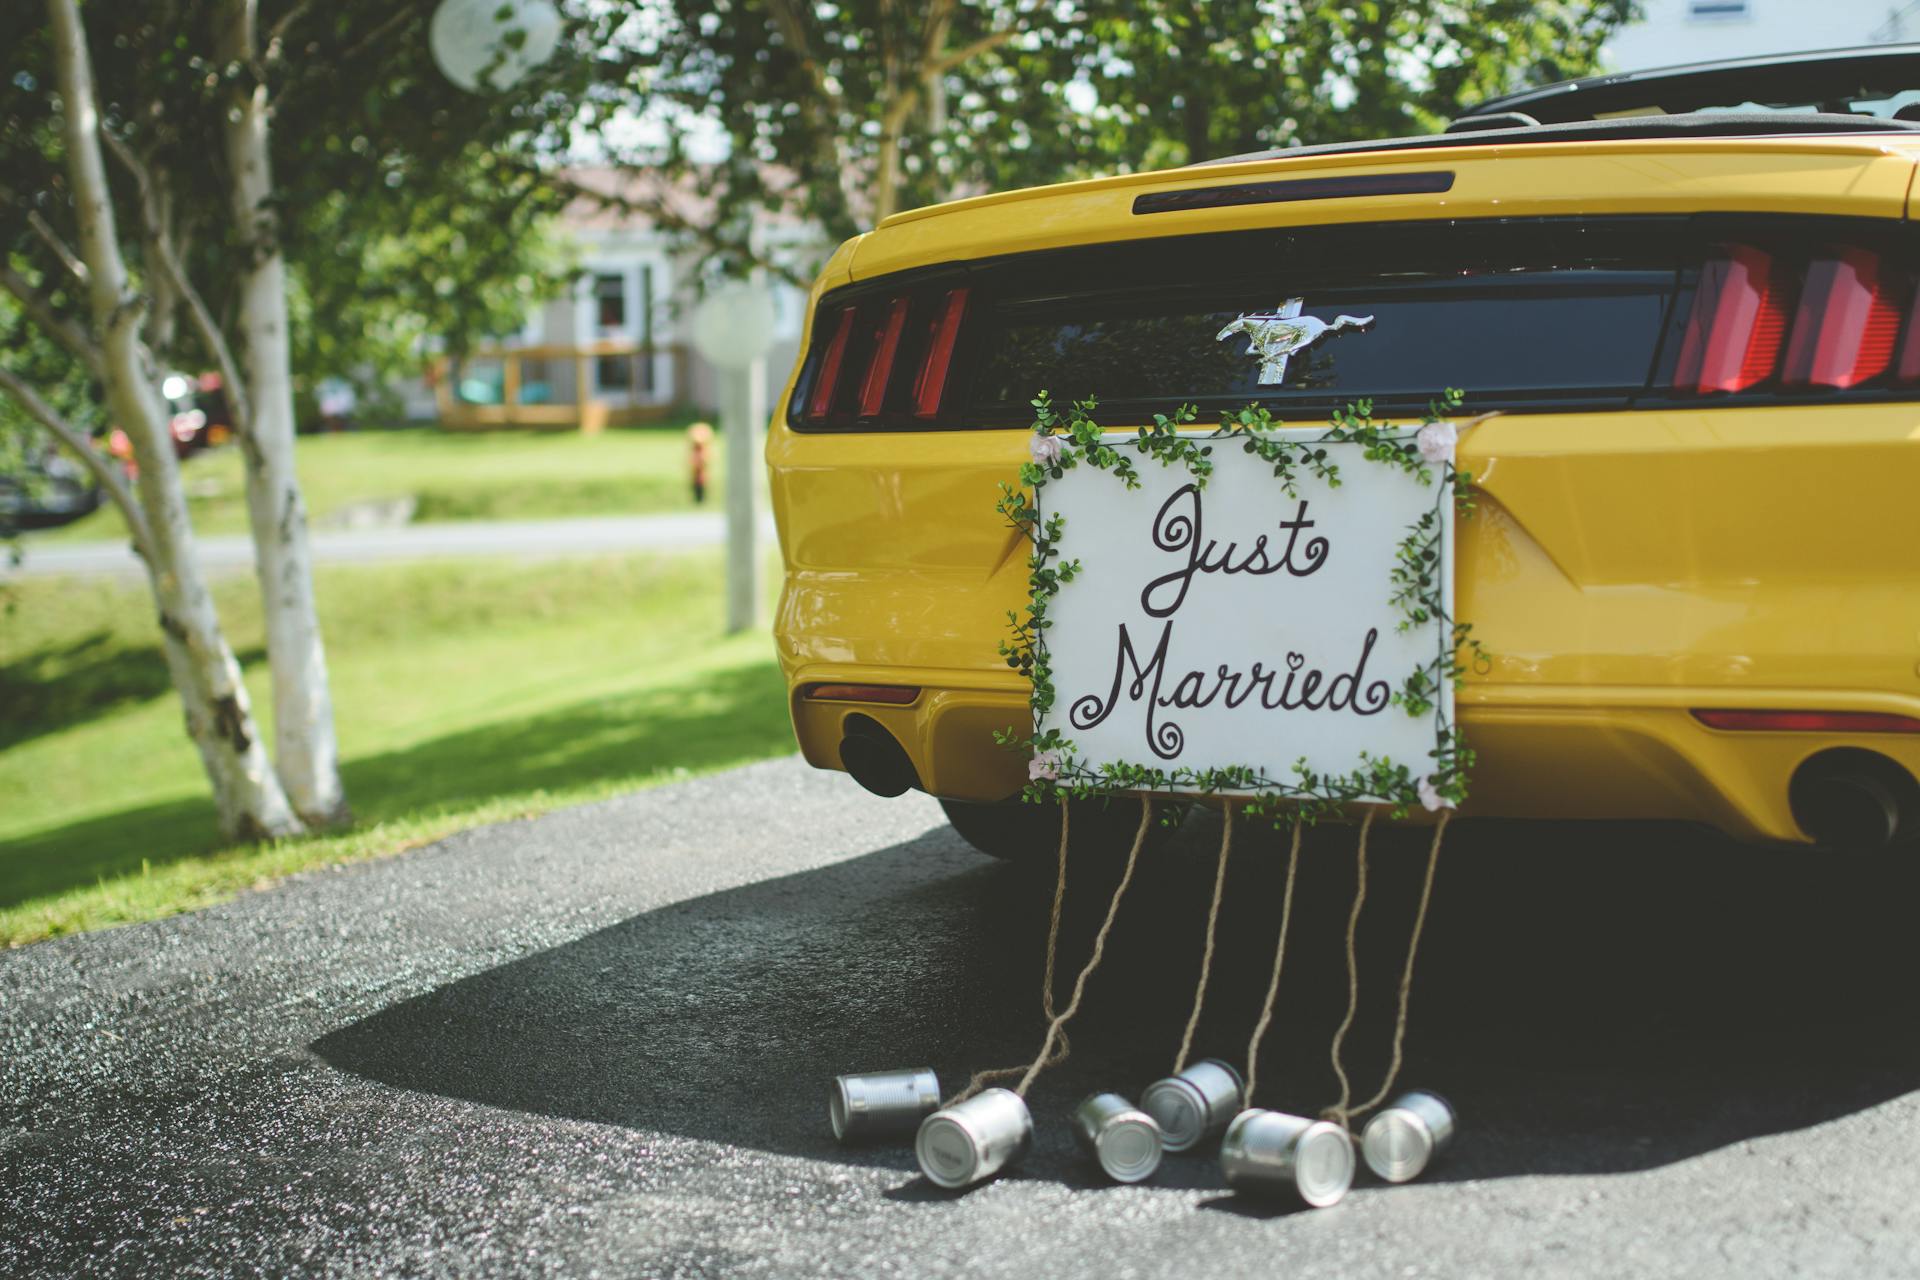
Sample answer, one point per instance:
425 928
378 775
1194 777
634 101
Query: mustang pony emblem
1276 335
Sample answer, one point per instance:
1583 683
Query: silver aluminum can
1407 1135
883 1104
1194 1105
1123 1138
1272 1153
971 1141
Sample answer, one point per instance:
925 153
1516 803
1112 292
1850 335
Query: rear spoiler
1489 177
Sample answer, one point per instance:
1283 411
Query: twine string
1053 924
981 1079
1406 974
1279 957
1055 1030
1054 1048
1206 956
1338 1112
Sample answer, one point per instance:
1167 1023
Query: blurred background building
614 349
1675 32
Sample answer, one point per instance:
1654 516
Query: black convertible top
1732 124
1831 80
1729 99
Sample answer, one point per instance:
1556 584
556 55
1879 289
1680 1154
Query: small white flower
1046 449
1431 797
1045 764
1436 440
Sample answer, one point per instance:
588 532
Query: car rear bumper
1623 570
1550 753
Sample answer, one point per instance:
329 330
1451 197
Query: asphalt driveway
598 1043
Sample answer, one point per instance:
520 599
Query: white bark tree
305 750
247 793
191 103
250 348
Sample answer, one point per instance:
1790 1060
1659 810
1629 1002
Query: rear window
1558 332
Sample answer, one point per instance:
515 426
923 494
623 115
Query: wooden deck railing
588 413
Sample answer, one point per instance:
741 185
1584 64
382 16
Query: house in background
1674 33
613 350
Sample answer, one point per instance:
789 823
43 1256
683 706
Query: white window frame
630 268
534 331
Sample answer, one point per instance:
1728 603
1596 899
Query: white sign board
1236 626
733 325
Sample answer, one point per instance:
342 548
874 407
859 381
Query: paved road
598 1044
525 538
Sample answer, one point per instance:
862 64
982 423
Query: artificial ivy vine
1063 442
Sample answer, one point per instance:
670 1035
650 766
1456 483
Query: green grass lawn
466 692
452 475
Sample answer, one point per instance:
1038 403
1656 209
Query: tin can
1194 1105
883 1104
1123 1138
971 1141
1407 1135
1272 1153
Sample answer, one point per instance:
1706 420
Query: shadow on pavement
1593 999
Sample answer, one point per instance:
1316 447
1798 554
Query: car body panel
1623 568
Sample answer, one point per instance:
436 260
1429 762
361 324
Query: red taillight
932 379
820 400
872 341
891 694
886 344
1807 721
1739 318
1907 368
1848 320
1824 322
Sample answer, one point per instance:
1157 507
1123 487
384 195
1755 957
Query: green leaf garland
1414 593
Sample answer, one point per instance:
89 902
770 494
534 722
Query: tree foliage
837 113
845 112
1180 81
407 207
412 209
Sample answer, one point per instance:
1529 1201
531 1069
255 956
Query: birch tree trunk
247 794
306 753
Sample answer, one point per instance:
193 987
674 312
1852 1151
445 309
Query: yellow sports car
1695 564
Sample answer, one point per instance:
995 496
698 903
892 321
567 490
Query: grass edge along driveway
466 693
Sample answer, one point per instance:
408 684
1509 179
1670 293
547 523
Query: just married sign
1258 610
